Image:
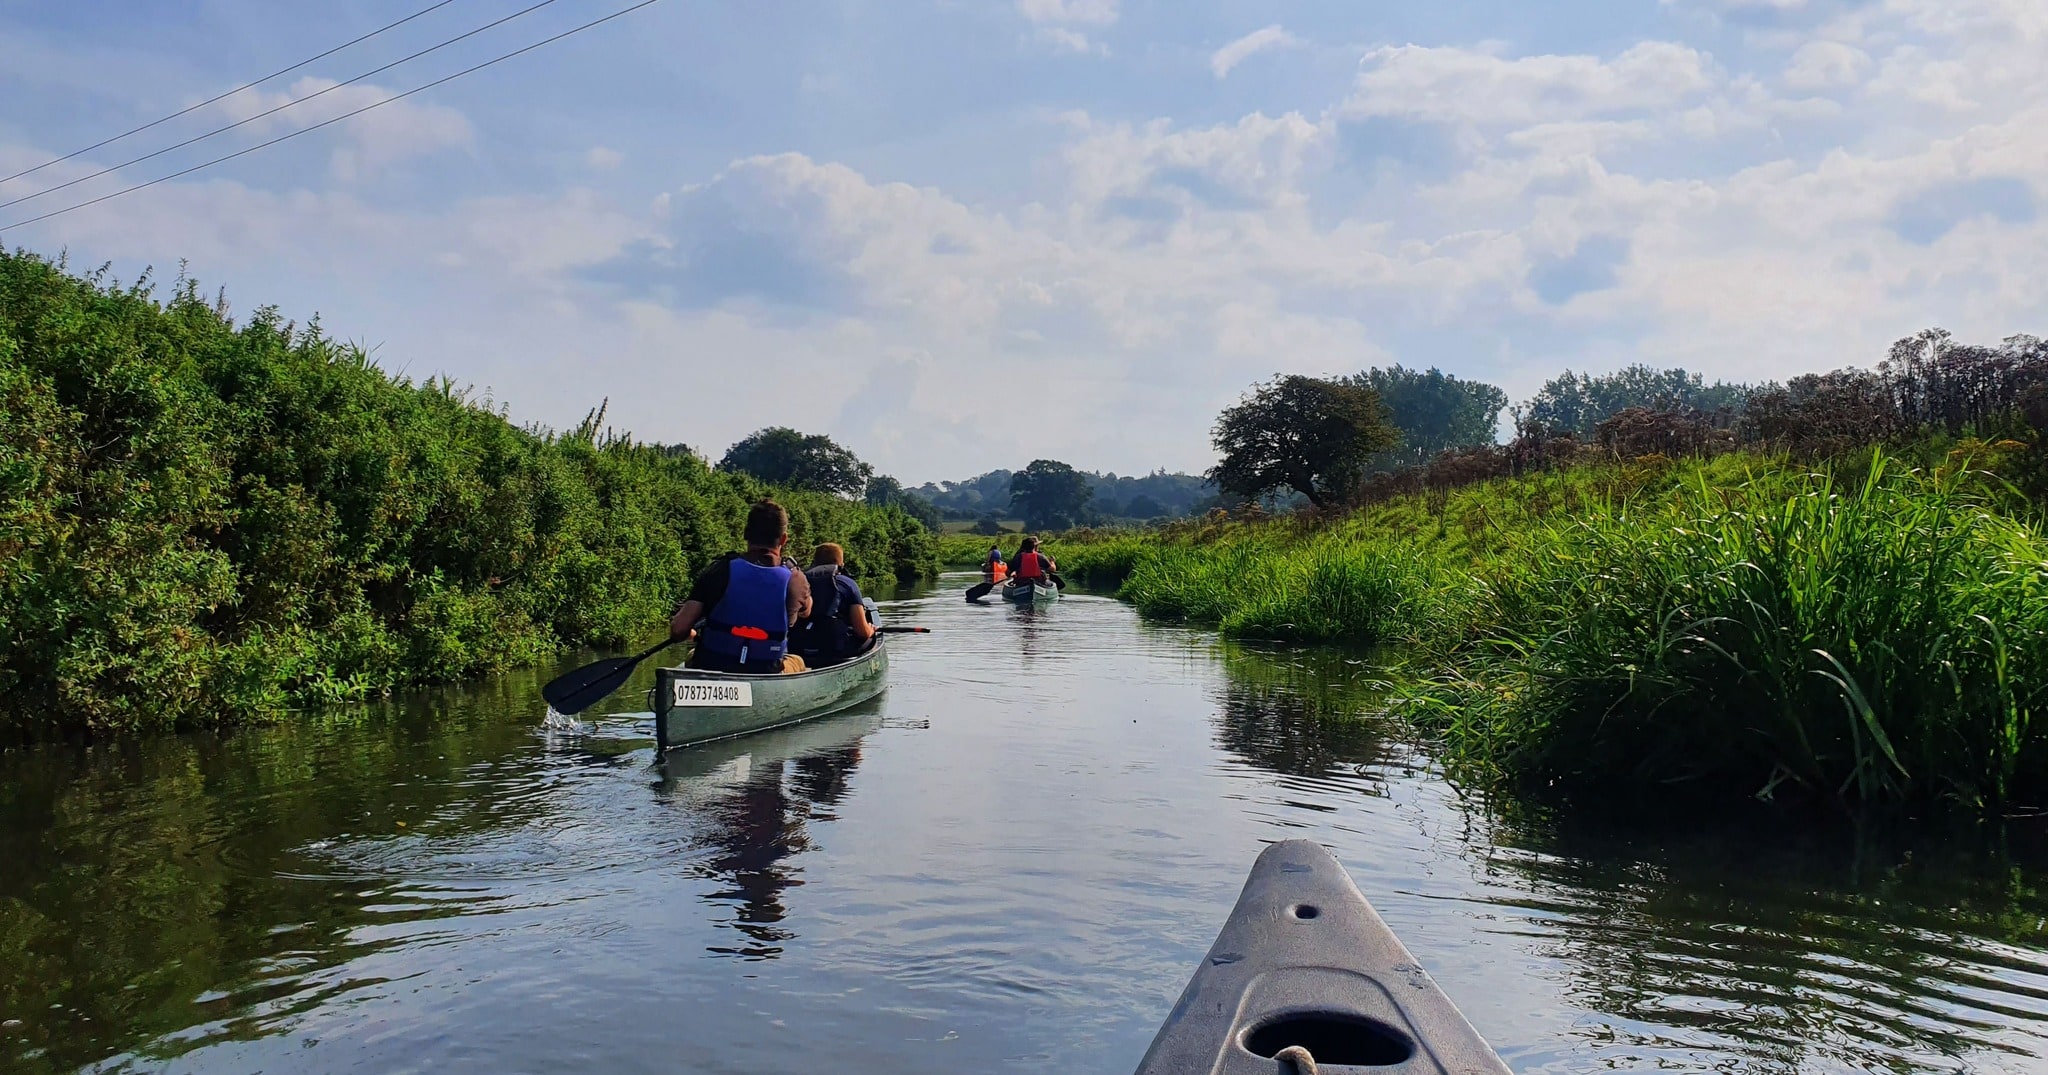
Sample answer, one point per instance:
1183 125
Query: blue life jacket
750 624
825 638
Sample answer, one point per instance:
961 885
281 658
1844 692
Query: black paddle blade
979 590
573 692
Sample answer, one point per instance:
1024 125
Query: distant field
964 526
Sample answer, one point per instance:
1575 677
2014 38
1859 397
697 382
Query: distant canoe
1021 592
695 706
1305 962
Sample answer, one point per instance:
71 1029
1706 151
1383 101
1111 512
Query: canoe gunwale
865 673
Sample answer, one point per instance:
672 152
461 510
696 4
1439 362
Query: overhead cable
273 111
252 84
337 119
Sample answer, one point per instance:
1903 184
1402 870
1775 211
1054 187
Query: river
1011 861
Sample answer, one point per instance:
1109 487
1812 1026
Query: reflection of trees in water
754 831
137 878
1799 948
1303 712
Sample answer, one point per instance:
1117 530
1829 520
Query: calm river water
1012 861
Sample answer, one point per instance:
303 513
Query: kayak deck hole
1332 1038
1305 910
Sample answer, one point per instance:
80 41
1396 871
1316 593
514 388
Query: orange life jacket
1031 566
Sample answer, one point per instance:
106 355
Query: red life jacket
1031 566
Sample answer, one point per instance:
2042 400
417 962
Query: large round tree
1301 433
782 456
1049 494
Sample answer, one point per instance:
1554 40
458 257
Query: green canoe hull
1035 592
695 706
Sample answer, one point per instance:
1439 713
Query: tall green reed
1882 639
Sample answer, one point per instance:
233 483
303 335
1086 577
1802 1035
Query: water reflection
1809 947
153 891
753 799
1310 713
1015 872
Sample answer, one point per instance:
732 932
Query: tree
988 526
782 456
1143 506
1433 410
884 491
1301 433
1578 402
1049 494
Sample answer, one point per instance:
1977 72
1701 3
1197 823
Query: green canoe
695 706
1020 593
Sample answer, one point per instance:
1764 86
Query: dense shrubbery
1881 636
205 523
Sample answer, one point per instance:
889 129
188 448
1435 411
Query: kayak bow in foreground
1304 976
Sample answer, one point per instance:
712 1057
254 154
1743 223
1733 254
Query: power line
337 119
273 111
230 93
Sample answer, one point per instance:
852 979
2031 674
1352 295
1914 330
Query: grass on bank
1863 631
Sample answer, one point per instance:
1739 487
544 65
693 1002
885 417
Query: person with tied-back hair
838 626
1030 566
743 606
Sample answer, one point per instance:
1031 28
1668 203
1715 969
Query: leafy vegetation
1112 497
1433 412
1050 494
1578 402
1301 433
783 457
884 491
205 523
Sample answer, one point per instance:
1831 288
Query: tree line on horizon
1329 441
1406 417
1297 440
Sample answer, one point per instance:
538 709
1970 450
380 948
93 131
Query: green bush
204 523
1877 640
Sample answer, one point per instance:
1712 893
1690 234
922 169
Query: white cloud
1260 40
1088 12
1065 40
1820 65
381 136
1737 213
1459 85
603 158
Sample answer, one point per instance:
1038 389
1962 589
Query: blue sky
960 235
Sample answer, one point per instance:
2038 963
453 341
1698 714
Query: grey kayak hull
1034 592
695 706
1305 961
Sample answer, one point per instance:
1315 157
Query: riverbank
205 523
1861 630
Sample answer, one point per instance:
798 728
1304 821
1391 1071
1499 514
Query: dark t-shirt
710 585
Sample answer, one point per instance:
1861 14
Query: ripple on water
1013 859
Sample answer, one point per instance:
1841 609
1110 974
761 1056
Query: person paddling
838 626
744 604
1031 567
995 569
